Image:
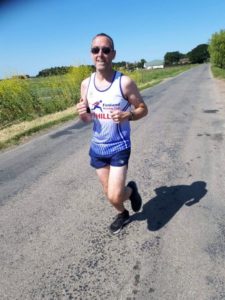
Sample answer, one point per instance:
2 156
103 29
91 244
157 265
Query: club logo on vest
97 105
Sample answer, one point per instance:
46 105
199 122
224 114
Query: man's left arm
134 97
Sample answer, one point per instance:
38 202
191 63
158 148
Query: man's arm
133 96
82 106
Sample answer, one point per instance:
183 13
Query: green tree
217 49
199 54
172 58
54 71
120 64
141 63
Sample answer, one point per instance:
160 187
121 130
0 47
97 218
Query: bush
17 101
217 49
22 100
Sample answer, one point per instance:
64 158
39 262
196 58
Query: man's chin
101 65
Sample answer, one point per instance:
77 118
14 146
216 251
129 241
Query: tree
54 71
120 64
199 54
217 49
141 63
172 58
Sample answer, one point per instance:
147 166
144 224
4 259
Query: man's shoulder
85 82
126 80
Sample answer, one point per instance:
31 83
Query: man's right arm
82 106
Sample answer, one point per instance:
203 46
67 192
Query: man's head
106 36
103 51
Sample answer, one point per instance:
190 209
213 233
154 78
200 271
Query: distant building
184 61
154 64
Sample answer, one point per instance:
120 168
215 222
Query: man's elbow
145 111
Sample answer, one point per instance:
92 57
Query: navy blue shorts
118 159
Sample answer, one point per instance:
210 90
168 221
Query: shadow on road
70 129
159 210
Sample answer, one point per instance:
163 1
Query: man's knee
115 197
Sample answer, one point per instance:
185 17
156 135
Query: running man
110 145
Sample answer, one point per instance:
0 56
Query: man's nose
100 52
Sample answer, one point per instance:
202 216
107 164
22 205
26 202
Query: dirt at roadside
220 83
220 89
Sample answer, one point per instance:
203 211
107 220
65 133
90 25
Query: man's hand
81 107
119 116
82 111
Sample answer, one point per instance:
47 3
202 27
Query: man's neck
106 75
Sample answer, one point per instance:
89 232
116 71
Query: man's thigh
117 179
103 175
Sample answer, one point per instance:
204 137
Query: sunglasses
105 50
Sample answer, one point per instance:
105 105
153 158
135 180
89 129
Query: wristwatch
131 116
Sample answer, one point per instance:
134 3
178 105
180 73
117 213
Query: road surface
54 218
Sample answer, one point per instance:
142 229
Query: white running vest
108 137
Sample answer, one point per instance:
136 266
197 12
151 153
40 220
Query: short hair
107 36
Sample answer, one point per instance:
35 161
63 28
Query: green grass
27 99
58 91
149 78
142 77
218 72
17 138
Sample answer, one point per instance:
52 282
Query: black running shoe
121 220
135 197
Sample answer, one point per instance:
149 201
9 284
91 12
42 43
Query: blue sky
35 35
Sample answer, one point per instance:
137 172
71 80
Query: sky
40 34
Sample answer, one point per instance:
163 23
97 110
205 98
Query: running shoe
120 221
135 197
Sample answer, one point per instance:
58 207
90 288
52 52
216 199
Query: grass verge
218 72
14 134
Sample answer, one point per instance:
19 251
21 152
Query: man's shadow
159 210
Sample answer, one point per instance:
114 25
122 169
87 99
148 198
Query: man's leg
103 175
117 192
113 181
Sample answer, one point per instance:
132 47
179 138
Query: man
106 98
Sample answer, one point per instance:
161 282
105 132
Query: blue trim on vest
121 90
108 86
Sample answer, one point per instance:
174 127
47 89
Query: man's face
101 45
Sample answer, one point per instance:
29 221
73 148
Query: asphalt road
54 237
